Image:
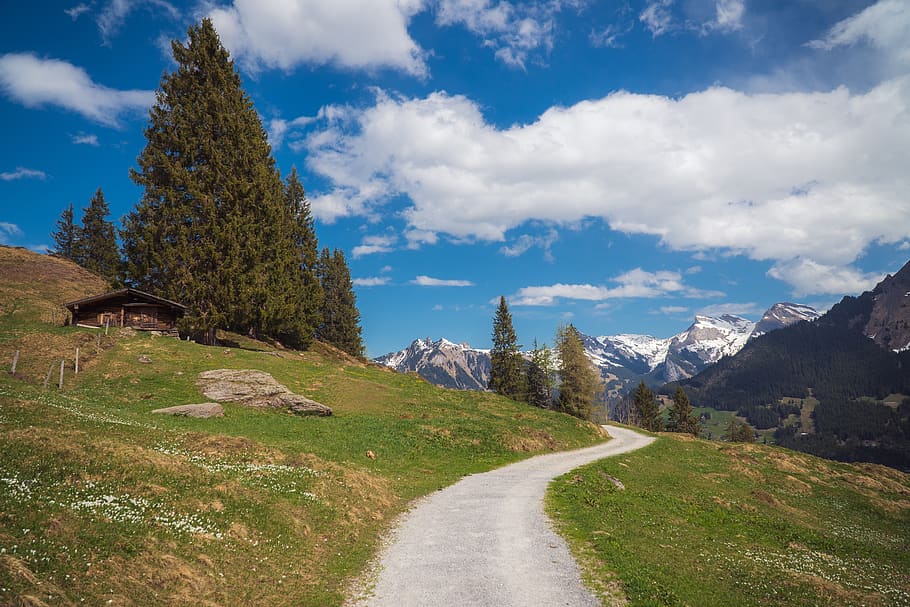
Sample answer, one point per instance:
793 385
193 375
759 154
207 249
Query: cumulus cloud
35 82
734 309
85 139
279 128
375 244
526 242
371 281
775 177
635 283
885 26
809 277
111 18
8 230
513 30
427 281
22 173
351 34
657 17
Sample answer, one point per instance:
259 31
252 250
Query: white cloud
7 230
657 17
693 270
609 37
525 242
85 139
673 310
885 26
729 16
904 246
35 82
809 277
734 309
774 177
438 308
278 128
426 281
352 34
635 283
76 11
513 30
22 173
114 14
371 281
375 244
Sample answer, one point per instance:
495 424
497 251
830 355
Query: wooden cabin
127 308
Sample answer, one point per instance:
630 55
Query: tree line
217 228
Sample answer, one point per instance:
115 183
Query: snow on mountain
781 315
622 359
443 363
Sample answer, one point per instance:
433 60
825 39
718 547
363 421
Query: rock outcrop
253 388
201 410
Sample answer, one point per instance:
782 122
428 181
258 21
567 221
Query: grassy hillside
706 523
103 502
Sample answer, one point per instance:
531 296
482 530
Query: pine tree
96 247
579 381
540 377
66 236
506 373
309 291
212 229
340 325
682 417
646 409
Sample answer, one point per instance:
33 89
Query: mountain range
837 387
621 359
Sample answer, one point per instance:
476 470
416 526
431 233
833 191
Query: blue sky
619 165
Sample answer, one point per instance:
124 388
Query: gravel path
485 541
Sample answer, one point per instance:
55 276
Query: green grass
706 523
101 500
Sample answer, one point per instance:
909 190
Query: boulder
202 410
254 388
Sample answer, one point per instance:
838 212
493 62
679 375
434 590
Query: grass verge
706 523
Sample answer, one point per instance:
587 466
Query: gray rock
254 388
201 410
145 358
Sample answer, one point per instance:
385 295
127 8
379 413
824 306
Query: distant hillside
32 284
842 358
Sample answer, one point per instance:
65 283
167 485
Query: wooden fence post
60 385
77 361
48 378
15 362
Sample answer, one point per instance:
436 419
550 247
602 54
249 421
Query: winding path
486 542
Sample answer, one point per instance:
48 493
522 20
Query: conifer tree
96 246
309 291
646 409
682 417
540 377
212 229
66 235
739 432
579 383
506 373
340 325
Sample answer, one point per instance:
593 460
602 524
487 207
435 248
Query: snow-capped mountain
443 363
622 359
781 315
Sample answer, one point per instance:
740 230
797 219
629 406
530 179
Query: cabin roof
126 291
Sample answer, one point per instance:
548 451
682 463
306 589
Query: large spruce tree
306 263
95 248
579 382
540 377
645 409
340 324
212 229
66 236
506 364
682 417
